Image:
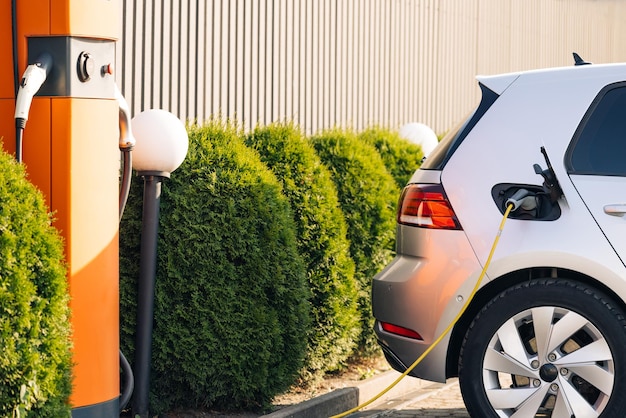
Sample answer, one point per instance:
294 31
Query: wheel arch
496 286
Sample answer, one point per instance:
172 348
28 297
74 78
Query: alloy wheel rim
548 362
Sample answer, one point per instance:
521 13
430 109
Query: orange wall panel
84 190
36 145
94 18
6 50
7 125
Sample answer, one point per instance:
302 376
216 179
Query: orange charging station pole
71 154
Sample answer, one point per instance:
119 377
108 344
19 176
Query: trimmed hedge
321 241
368 197
400 156
35 361
231 308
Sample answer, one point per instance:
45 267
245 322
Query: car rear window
440 155
599 144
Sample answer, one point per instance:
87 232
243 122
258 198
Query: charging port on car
534 202
531 202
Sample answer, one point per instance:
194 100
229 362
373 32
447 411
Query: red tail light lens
426 206
398 330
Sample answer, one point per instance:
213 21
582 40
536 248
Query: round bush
231 307
322 242
400 156
368 197
35 361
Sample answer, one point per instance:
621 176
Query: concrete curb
332 403
341 400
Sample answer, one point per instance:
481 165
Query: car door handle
615 210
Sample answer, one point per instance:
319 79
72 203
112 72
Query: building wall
349 63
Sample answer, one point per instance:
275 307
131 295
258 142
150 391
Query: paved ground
431 401
403 398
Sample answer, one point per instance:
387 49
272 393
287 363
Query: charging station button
106 69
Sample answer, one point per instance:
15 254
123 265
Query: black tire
545 348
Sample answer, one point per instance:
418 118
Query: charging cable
509 208
32 80
126 144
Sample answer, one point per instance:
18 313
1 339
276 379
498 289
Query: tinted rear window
440 156
599 145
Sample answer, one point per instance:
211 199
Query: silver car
545 334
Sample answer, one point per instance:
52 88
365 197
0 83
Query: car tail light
426 206
398 330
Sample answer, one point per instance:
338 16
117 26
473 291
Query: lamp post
161 147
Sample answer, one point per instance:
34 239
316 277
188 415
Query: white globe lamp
420 134
162 142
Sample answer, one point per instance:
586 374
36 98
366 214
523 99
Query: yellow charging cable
445 331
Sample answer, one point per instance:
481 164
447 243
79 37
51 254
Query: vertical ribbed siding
326 63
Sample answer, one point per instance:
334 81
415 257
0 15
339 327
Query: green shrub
368 196
400 156
231 307
35 361
321 241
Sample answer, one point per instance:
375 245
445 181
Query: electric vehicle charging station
71 153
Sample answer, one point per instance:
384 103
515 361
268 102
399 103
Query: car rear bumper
423 294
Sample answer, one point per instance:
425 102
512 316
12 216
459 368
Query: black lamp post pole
145 290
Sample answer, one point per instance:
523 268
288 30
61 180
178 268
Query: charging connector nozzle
32 80
522 199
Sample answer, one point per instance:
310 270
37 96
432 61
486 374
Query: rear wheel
549 348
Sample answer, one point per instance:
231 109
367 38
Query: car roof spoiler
498 83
